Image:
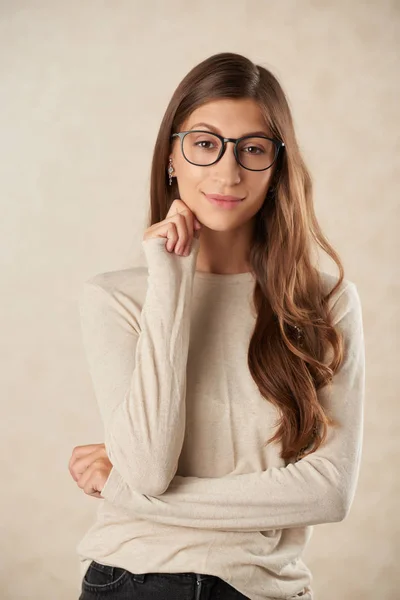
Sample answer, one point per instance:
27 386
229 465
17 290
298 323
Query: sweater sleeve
138 366
316 489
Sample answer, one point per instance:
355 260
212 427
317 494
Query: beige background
83 89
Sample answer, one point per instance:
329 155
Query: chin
221 223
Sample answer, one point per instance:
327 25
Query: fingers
184 232
79 451
179 228
176 207
82 457
90 467
93 479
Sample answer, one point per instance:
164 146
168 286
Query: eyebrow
216 130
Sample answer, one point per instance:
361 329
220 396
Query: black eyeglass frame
277 143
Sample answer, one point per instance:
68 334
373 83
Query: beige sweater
192 488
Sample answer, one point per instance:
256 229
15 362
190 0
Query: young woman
229 370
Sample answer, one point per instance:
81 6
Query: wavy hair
293 327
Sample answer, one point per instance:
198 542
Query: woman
229 370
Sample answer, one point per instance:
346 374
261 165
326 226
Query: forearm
273 499
148 403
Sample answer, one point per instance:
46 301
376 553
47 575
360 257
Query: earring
170 171
299 334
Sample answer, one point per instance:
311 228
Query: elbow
150 486
341 507
146 476
161 478
337 493
156 480
345 509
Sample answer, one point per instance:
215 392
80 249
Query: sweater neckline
222 278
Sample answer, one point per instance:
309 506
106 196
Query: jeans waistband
140 577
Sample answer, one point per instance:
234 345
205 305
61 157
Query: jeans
104 582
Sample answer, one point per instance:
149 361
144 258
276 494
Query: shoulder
124 281
114 294
345 299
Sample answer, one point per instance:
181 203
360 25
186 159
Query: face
230 118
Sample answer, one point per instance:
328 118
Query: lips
221 202
223 198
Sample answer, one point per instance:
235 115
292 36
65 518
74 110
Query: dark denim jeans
103 582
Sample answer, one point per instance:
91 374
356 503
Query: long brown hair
293 328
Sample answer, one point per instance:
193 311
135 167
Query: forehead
230 117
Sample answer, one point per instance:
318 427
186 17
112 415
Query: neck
224 252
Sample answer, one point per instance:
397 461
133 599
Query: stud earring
170 171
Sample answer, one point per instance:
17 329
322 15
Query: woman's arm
138 365
317 489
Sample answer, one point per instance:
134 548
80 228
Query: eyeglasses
252 152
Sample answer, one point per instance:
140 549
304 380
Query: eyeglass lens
203 148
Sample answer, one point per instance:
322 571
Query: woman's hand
90 467
179 227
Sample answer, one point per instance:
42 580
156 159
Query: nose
227 169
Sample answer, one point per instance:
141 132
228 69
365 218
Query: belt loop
139 577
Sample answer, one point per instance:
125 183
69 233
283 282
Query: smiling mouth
223 204
221 198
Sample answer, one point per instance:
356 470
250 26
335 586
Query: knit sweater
192 487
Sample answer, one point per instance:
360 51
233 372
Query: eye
203 142
260 150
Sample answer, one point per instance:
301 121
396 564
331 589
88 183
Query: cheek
259 182
192 179
256 191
